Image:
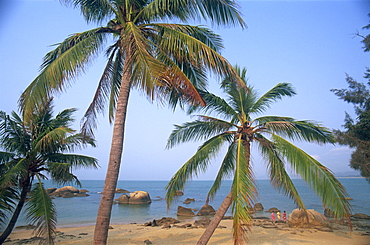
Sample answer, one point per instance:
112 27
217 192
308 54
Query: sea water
79 211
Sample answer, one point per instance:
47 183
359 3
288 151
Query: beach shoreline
259 235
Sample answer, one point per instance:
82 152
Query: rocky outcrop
201 223
81 194
258 207
360 216
188 200
50 190
273 210
136 197
309 218
182 211
206 210
66 192
118 190
162 221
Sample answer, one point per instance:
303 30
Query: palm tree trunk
17 212
110 184
203 240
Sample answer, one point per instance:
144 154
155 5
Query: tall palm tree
166 61
232 122
33 149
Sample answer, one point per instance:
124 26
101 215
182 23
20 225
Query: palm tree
165 61
234 125
33 149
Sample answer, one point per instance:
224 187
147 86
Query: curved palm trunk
203 240
17 212
110 184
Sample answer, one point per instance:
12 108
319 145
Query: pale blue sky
310 44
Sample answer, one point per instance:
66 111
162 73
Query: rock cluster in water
66 192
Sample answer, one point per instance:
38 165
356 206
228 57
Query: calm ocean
82 210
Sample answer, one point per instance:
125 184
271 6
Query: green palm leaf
320 178
64 63
267 132
196 164
41 213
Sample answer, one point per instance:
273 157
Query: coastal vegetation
357 131
34 148
232 122
166 61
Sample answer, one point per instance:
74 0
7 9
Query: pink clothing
273 216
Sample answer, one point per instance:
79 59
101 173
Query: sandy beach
280 234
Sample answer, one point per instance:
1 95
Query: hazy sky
310 44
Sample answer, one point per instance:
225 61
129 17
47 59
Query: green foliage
34 148
232 122
167 62
357 131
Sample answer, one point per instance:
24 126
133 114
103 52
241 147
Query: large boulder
258 207
136 197
50 190
309 218
67 194
66 191
206 210
139 197
123 199
182 211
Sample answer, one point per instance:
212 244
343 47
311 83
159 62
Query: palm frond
41 213
75 161
276 93
92 10
12 171
196 164
243 192
226 169
278 175
196 130
61 173
106 88
298 130
8 197
320 178
215 105
217 11
61 65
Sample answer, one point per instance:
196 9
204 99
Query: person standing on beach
278 215
273 217
284 217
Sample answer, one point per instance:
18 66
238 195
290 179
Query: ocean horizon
80 211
